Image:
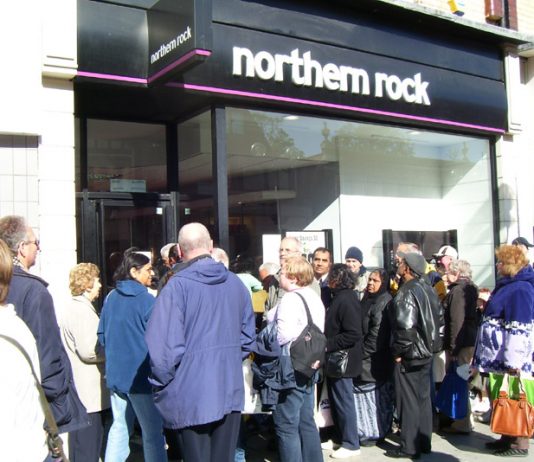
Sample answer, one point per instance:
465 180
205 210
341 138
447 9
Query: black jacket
33 304
415 323
343 328
461 318
377 362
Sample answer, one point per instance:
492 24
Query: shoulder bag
308 349
54 441
512 417
336 363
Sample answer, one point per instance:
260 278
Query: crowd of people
167 351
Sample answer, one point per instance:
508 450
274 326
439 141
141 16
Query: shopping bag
453 394
323 414
252 396
512 417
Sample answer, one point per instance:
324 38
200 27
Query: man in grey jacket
415 337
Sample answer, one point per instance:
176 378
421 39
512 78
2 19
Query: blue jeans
298 436
340 392
125 408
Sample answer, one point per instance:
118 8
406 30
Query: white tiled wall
19 177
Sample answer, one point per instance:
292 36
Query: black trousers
412 393
85 444
213 442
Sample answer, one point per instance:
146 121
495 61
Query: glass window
126 156
195 170
288 172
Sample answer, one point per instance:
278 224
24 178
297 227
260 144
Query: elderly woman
343 330
506 336
78 329
461 324
297 435
373 390
122 333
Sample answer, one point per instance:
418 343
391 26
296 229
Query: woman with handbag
343 330
296 431
505 342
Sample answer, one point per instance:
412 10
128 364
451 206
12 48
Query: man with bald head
201 328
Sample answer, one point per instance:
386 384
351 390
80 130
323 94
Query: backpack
308 349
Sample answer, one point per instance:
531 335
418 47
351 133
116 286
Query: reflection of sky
307 134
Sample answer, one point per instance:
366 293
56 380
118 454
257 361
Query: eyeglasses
36 242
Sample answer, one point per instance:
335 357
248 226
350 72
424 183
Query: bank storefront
258 118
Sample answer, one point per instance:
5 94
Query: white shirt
22 437
291 314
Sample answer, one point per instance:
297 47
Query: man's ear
180 254
211 246
20 249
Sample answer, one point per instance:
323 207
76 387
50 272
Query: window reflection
126 157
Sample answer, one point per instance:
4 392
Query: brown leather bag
512 417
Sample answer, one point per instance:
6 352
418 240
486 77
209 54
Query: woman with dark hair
343 330
373 390
505 340
121 332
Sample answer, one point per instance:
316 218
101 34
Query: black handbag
308 349
336 364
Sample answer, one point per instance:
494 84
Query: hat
354 252
522 241
447 250
415 261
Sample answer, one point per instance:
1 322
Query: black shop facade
347 126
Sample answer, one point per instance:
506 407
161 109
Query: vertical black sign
178 35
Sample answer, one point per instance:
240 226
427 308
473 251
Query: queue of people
173 363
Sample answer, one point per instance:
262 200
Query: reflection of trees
281 143
355 138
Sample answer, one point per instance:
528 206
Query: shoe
400 454
344 453
329 445
498 445
454 431
483 418
368 443
511 452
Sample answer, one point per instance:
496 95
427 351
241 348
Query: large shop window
288 172
126 157
195 176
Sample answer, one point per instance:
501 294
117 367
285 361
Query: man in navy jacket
200 330
34 305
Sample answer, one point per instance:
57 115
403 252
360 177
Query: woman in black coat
343 330
374 387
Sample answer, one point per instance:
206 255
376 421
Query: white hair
270 267
166 249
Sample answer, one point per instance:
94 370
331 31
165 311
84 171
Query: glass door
111 223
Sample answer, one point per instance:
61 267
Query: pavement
445 448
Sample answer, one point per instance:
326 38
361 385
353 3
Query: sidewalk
445 448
